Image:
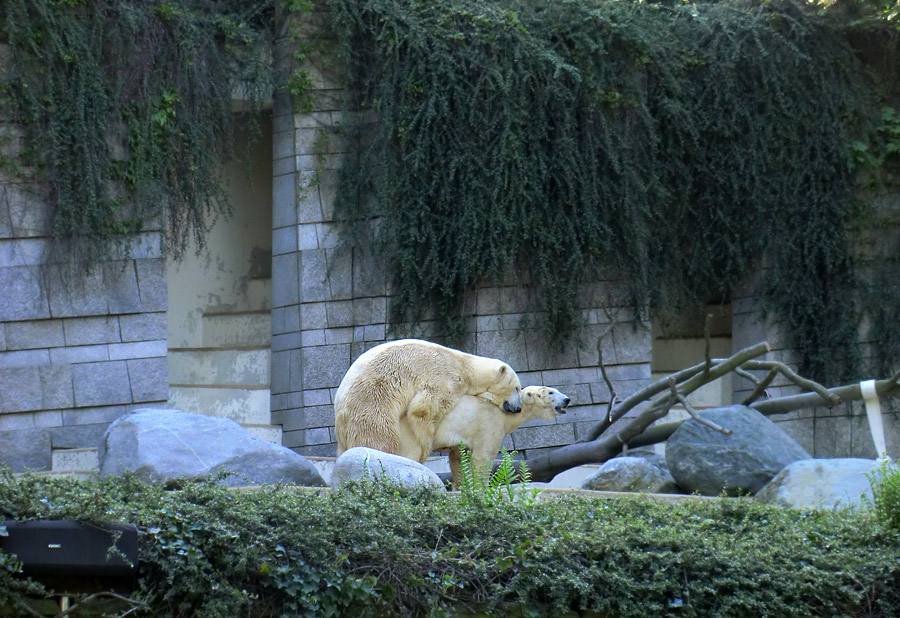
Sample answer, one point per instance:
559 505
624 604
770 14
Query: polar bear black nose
566 401
510 409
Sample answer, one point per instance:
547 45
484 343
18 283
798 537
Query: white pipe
873 412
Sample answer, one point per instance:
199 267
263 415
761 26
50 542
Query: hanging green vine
678 147
133 95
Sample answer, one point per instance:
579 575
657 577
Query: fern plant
510 482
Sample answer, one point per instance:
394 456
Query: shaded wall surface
330 304
825 432
77 348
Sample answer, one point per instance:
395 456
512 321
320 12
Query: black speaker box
71 550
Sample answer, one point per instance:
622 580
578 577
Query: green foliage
373 549
298 82
129 105
675 146
505 484
885 482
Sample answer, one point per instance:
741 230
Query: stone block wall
330 304
838 431
78 347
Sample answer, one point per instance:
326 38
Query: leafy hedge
372 549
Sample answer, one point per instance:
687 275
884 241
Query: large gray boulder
707 461
631 474
820 484
161 445
360 462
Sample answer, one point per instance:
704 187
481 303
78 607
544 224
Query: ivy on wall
128 107
678 146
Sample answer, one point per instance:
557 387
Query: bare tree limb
703 421
602 445
690 410
706 337
695 373
782 405
746 375
849 392
613 397
641 396
545 466
760 388
800 381
725 366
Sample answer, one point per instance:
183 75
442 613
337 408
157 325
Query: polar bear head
503 387
544 402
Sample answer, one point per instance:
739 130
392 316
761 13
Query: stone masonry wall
839 431
331 304
78 348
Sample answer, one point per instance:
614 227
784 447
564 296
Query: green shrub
373 549
885 482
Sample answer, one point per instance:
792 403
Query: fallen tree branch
760 388
695 373
545 466
613 397
850 392
602 445
707 339
782 405
746 375
694 415
800 381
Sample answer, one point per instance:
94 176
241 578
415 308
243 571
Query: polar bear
481 426
419 382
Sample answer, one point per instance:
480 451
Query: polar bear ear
527 396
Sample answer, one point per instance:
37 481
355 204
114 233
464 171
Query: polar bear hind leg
424 413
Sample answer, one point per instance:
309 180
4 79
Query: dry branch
699 373
761 386
613 397
609 443
782 405
603 444
690 410
804 383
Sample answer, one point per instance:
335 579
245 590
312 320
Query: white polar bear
417 382
481 426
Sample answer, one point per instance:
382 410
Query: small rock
820 484
631 474
361 462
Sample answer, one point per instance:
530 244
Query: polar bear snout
558 400
513 405
509 409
